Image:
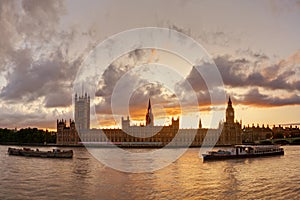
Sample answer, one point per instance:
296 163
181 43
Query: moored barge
55 153
244 151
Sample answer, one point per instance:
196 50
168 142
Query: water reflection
81 169
83 177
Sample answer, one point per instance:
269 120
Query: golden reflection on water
83 177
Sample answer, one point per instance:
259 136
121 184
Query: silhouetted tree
27 135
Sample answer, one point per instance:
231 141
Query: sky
254 45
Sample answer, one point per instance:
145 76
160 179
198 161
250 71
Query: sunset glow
257 54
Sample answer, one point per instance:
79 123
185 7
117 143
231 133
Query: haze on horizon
43 43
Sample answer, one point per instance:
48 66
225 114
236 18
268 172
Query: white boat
244 151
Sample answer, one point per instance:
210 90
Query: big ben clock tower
229 112
232 131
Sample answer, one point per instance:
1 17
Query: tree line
26 136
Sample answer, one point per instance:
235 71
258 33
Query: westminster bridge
282 141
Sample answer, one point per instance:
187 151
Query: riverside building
150 135
66 135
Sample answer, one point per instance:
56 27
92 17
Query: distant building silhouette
150 134
286 132
200 124
256 133
229 112
149 115
252 134
232 131
66 135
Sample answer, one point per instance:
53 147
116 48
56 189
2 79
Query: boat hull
207 157
40 154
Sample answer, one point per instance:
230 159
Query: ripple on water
83 177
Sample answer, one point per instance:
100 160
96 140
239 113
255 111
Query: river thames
84 177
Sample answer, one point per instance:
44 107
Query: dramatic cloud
242 73
44 78
37 66
250 53
39 58
140 96
236 73
30 115
255 98
43 44
117 69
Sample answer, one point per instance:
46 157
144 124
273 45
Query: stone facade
286 132
66 135
256 133
82 112
228 133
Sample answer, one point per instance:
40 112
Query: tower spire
149 105
200 124
229 101
149 115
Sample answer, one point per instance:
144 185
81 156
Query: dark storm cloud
20 118
112 75
36 53
16 117
194 84
196 81
36 65
252 54
236 74
271 71
117 69
114 72
156 92
43 78
139 99
137 55
239 73
231 70
181 30
254 97
31 80
7 31
40 19
212 37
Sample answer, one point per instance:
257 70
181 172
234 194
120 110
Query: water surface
84 177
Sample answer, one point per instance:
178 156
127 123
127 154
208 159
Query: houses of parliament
228 132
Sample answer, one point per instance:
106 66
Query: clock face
231 114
